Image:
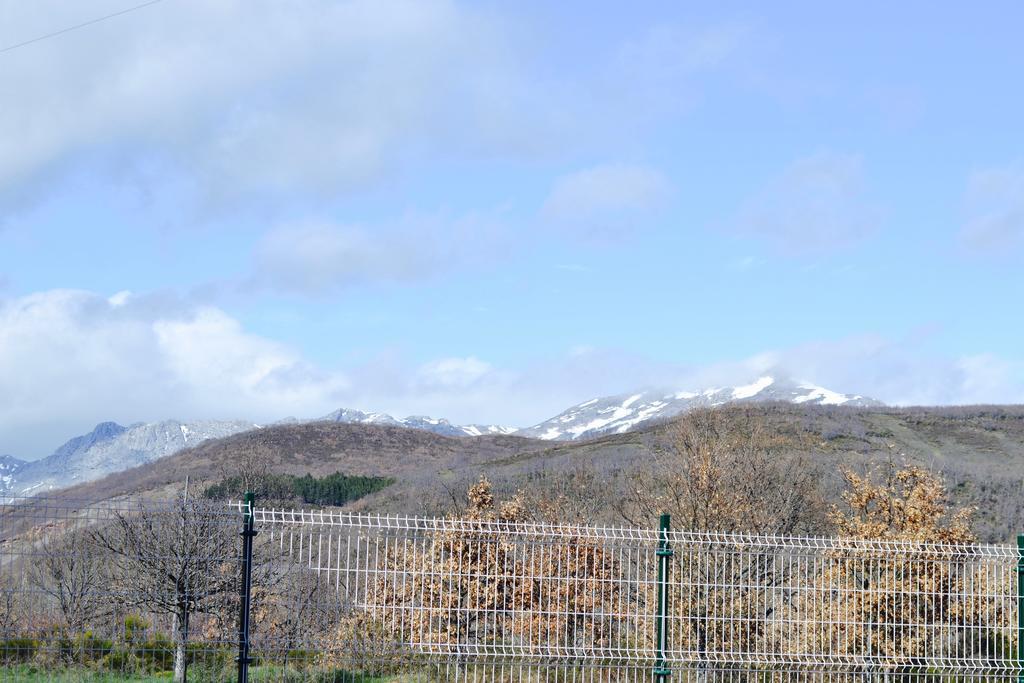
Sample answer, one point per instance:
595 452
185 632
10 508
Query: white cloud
898 372
606 199
319 257
667 52
995 201
257 96
817 204
120 298
69 359
987 378
452 372
315 258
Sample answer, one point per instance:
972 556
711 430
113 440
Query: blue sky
489 211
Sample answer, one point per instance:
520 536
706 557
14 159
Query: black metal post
246 590
664 552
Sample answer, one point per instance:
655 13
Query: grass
28 673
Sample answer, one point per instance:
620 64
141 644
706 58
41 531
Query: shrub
121 661
135 628
156 653
17 650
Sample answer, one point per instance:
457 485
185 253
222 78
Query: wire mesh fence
133 591
118 589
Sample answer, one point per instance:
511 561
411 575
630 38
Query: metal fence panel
473 588
128 591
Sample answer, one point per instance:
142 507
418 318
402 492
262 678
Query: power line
78 26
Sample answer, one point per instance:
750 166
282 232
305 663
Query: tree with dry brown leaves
479 583
882 601
906 503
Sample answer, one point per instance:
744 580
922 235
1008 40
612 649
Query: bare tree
249 467
179 560
294 606
725 470
571 496
10 606
69 570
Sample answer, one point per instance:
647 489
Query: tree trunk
180 646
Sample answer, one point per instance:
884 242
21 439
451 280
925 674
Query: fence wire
117 590
133 591
469 588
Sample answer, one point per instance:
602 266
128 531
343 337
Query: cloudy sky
489 211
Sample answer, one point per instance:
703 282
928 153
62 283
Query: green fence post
245 591
1020 608
664 552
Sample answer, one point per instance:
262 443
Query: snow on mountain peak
617 414
430 424
752 389
823 396
110 448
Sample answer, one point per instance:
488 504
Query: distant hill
429 424
413 457
979 449
9 467
109 448
618 414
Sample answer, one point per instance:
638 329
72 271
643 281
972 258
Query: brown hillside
979 450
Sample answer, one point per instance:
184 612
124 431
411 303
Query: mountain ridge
110 447
430 424
979 450
623 412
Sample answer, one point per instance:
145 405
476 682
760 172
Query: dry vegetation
979 451
469 574
887 602
760 469
726 472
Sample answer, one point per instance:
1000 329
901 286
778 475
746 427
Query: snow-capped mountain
430 424
617 414
9 467
110 448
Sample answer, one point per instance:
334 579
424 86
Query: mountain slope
112 448
978 449
9 468
420 460
618 414
429 424
109 448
